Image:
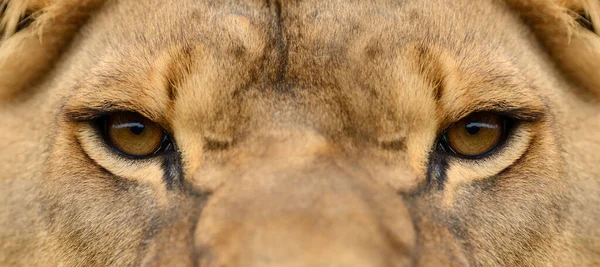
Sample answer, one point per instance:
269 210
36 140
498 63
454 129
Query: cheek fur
149 171
462 171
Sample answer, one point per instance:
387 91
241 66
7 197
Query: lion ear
570 29
32 35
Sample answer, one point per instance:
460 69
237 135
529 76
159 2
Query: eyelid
88 114
88 111
93 113
519 114
522 114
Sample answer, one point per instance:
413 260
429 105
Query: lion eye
133 134
476 135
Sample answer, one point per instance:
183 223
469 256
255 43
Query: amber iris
134 134
476 134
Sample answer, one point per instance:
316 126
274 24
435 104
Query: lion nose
317 216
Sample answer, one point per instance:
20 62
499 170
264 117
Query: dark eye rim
508 125
101 125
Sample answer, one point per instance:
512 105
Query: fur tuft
24 58
14 14
575 47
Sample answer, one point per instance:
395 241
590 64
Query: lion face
301 133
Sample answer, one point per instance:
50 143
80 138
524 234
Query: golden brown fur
306 133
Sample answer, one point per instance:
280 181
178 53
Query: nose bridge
312 208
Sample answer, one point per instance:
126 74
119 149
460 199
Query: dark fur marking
171 88
173 171
374 51
178 67
88 114
436 170
520 113
438 88
25 21
282 48
398 144
210 144
585 21
431 70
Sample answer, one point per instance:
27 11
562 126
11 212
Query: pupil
137 129
472 129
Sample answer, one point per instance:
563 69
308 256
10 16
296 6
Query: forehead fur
296 129
224 69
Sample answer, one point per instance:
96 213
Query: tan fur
576 49
26 55
305 133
